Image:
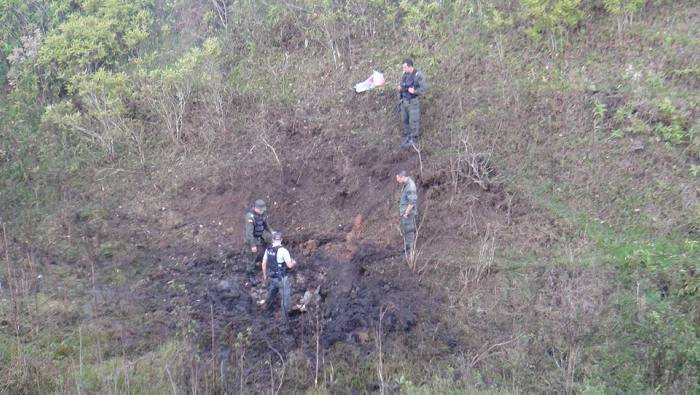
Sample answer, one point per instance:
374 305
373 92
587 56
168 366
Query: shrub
420 17
672 125
553 18
623 10
169 92
103 32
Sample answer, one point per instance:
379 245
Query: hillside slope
557 176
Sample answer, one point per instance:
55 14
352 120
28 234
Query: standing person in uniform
407 210
275 264
257 235
412 86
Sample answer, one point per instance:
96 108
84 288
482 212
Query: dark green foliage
98 35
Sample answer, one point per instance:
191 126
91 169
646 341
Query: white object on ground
309 299
374 81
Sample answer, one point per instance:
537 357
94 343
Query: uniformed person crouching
275 264
407 210
257 237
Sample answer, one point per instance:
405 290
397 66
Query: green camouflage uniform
409 195
410 104
254 258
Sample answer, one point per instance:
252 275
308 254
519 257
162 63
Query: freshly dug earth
355 283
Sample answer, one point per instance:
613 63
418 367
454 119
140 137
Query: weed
673 126
599 111
617 134
638 126
694 170
623 113
674 133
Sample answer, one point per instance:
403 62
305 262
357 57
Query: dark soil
355 282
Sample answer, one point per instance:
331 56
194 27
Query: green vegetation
115 113
660 311
95 36
623 10
551 18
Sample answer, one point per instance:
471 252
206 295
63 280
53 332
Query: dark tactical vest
277 270
408 81
258 224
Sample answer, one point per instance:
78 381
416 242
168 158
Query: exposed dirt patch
318 193
354 282
337 209
334 207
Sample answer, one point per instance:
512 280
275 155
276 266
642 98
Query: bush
623 10
553 18
672 125
170 91
98 36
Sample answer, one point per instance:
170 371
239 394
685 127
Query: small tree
170 92
420 17
101 116
498 24
623 10
101 119
552 18
103 96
